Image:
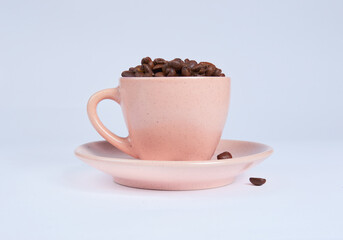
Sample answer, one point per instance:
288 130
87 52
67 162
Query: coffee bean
148 74
159 61
157 68
224 155
159 74
177 64
146 60
207 64
139 68
206 69
217 72
191 63
210 70
139 74
185 71
147 69
202 70
127 74
257 181
170 72
197 67
164 68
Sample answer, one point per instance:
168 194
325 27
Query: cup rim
174 77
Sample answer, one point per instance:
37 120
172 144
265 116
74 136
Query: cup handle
121 143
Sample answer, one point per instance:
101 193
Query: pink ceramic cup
168 118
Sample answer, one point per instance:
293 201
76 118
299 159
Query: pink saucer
174 175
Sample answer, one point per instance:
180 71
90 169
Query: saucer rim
231 161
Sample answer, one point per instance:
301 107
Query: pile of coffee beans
177 67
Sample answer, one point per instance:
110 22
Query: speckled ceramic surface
170 118
174 175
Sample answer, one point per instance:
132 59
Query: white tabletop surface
47 193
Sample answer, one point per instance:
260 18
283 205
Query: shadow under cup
168 118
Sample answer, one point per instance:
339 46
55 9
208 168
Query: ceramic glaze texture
173 118
174 175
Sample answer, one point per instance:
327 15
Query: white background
285 61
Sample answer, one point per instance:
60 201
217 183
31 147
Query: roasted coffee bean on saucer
224 155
